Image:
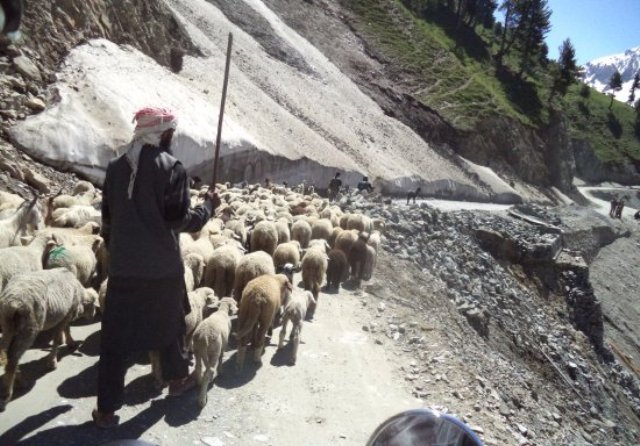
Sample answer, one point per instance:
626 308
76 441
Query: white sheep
220 272
314 269
209 343
81 260
264 237
301 231
83 188
26 216
34 302
359 222
374 240
251 266
76 216
295 311
288 253
322 228
282 228
369 263
239 229
10 201
20 259
193 270
199 299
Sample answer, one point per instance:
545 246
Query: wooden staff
224 98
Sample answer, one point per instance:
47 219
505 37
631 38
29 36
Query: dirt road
343 386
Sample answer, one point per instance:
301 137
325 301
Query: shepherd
145 206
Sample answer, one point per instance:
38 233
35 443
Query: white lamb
295 311
209 343
20 259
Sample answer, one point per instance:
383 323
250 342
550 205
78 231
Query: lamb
209 343
314 268
220 272
75 216
322 229
251 266
199 300
295 311
287 253
301 231
264 237
81 260
16 225
261 300
345 240
337 269
20 259
193 270
34 302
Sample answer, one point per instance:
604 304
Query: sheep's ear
96 245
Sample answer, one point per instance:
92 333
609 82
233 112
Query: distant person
365 185
334 186
267 183
620 208
614 206
412 195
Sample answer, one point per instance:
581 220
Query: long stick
224 98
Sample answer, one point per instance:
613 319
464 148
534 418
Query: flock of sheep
242 262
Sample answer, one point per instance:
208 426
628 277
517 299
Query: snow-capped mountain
598 72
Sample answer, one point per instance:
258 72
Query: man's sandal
105 420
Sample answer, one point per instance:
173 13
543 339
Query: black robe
146 296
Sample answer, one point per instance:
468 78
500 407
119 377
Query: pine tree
510 27
567 72
634 86
534 25
615 84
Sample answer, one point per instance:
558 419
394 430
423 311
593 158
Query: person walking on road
145 205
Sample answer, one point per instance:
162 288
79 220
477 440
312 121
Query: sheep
10 201
358 255
220 272
301 231
202 247
20 259
264 237
287 253
193 270
81 260
16 225
239 229
337 269
322 228
374 240
369 263
314 268
295 311
345 240
34 302
359 222
209 343
282 227
261 300
199 299
251 266
343 220
83 188
75 216
334 235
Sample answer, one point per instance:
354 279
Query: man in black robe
144 207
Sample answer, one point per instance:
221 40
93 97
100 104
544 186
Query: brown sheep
287 253
261 301
334 235
337 269
264 237
322 228
359 222
358 256
345 240
301 231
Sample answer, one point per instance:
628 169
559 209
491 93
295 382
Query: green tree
567 71
634 86
615 84
509 28
534 25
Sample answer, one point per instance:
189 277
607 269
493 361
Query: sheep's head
90 302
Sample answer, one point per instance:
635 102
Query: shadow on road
80 385
29 424
228 378
91 345
282 357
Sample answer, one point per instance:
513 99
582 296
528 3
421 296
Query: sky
596 27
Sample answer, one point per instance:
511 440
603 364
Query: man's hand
213 197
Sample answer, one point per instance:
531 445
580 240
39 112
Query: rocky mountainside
598 72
